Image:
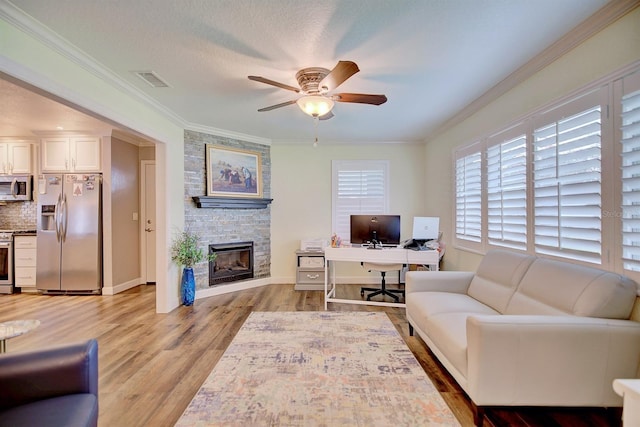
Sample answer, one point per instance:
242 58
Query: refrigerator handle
64 218
57 214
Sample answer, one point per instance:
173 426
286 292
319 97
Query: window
507 192
563 181
630 156
358 187
567 166
469 197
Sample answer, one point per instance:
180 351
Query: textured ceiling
430 58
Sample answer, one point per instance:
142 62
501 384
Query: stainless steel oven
6 263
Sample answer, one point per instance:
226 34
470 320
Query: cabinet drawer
24 242
25 257
310 276
311 262
25 276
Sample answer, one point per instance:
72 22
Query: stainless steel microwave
14 188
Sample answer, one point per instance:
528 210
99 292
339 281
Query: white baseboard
359 280
342 280
112 290
309 287
255 283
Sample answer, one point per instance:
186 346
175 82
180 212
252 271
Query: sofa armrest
438 281
547 360
35 375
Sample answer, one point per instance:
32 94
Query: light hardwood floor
151 365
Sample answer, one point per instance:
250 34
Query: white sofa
528 331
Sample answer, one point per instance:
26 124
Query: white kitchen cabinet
24 251
15 158
75 154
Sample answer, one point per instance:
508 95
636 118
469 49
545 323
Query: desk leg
3 346
329 282
326 281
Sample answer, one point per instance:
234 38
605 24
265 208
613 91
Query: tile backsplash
18 216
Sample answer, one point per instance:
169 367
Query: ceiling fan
315 84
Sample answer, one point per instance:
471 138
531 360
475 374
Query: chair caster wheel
361 293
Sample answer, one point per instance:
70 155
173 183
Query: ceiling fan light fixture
315 105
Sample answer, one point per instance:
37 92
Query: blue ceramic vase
188 286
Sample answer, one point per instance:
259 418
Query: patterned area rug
317 369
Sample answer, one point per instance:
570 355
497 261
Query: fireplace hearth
234 261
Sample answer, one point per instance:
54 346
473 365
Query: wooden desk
358 254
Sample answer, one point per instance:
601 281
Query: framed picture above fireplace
232 172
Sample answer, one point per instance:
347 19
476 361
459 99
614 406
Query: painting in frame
232 172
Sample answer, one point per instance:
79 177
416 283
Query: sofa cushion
443 316
448 331
78 410
424 305
556 287
498 276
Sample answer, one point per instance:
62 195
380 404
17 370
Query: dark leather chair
57 386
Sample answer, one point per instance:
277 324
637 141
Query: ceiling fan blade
274 83
360 98
273 107
326 116
341 72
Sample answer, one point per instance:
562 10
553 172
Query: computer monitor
425 228
383 229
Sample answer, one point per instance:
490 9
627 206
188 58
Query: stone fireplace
234 261
224 223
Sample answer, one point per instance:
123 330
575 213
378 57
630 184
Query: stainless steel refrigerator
69 225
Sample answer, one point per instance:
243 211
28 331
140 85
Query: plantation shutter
359 187
469 197
567 186
630 139
507 193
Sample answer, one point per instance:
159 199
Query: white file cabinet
309 271
24 251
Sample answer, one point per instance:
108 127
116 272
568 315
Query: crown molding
227 134
23 21
18 139
604 17
325 142
130 138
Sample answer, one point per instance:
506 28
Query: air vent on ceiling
151 78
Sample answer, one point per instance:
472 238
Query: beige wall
125 201
301 192
613 48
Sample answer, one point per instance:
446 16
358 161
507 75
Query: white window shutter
359 187
567 186
630 140
507 193
469 197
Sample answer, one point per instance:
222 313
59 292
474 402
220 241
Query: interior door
149 218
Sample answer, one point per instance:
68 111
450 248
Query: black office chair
383 269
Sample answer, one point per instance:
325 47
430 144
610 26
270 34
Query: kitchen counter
25 232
